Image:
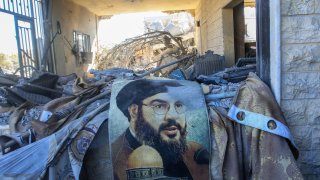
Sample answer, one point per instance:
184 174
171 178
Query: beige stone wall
300 52
300 67
72 17
216 28
210 16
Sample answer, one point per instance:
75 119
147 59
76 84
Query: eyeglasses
163 108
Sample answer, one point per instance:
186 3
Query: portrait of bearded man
157 119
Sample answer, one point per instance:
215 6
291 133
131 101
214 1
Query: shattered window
81 42
82 47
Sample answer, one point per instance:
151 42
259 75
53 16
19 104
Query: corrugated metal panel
209 64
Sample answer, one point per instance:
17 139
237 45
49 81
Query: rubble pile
222 95
146 51
4 118
58 116
47 102
44 103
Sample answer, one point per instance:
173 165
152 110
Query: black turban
136 91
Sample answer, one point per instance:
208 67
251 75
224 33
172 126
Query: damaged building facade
292 58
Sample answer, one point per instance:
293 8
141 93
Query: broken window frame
81 46
30 39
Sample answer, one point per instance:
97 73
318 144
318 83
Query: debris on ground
56 113
146 51
4 118
46 102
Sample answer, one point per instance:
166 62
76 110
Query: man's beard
170 151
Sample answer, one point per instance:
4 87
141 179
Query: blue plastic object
177 74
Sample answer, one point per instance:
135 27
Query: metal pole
164 66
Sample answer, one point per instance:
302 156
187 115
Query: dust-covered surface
224 88
63 100
4 118
31 114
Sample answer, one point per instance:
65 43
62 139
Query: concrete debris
46 87
222 95
4 118
31 114
56 100
66 107
234 75
3 99
112 73
177 23
147 51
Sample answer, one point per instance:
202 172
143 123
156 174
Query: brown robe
244 152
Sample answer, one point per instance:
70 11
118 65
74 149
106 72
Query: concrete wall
300 66
72 17
216 28
239 31
300 52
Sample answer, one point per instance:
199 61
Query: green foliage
2 57
9 62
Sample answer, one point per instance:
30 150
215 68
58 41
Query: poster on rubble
158 129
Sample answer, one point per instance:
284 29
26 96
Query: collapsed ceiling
111 7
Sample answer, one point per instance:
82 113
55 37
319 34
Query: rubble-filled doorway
244 19
154 39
